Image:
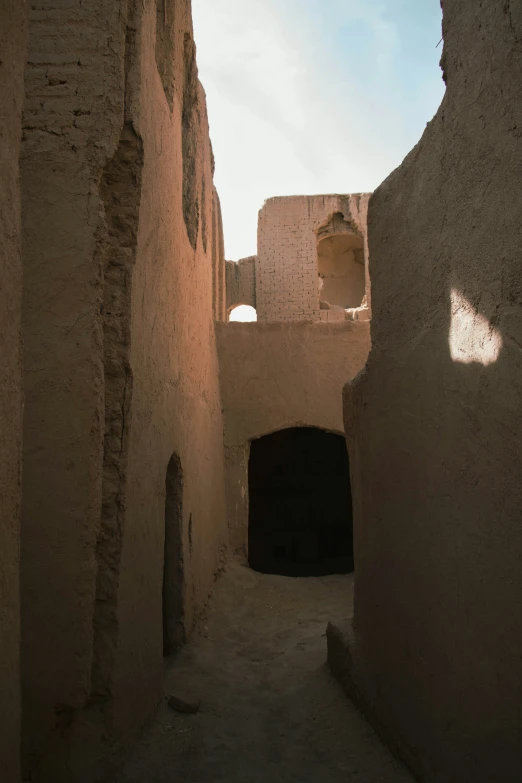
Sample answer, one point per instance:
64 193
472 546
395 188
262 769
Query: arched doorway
300 507
173 577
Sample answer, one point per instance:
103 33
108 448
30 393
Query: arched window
242 313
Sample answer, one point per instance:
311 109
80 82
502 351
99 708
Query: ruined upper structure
311 263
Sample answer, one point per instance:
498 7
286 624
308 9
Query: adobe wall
434 425
219 298
286 265
176 396
123 252
241 282
275 376
13 46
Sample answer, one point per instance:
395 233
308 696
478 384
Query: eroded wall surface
435 424
286 264
176 405
218 257
275 376
241 282
13 47
124 270
73 117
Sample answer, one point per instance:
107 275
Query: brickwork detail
286 265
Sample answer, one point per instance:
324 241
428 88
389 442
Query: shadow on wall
174 634
300 506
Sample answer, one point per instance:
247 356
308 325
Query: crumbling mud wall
219 265
275 376
176 407
434 426
13 48
120 257
241 282
288 231
74 112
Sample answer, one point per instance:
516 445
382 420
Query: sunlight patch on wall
471 336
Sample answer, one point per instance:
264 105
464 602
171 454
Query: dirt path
270 710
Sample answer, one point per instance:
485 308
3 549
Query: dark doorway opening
300 505
173 582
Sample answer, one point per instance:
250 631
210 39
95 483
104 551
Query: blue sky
312 96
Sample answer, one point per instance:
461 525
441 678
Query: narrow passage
270 710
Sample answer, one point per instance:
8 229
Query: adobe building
131 410
287 369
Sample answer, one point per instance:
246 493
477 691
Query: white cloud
286 115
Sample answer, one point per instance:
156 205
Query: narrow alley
260 303
270 710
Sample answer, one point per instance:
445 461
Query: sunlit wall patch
471 336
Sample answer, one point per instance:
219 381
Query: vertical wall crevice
174 633
164 48
204 215
190 123
120 190
222 309
215 270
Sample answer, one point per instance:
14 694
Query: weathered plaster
71 131
124 265
176 399
13 45
434 425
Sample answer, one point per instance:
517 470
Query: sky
312 96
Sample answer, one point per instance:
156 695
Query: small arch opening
300 505
242 313
340 267
173 565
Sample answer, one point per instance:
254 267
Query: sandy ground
270 710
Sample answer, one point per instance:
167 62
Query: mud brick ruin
369 421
